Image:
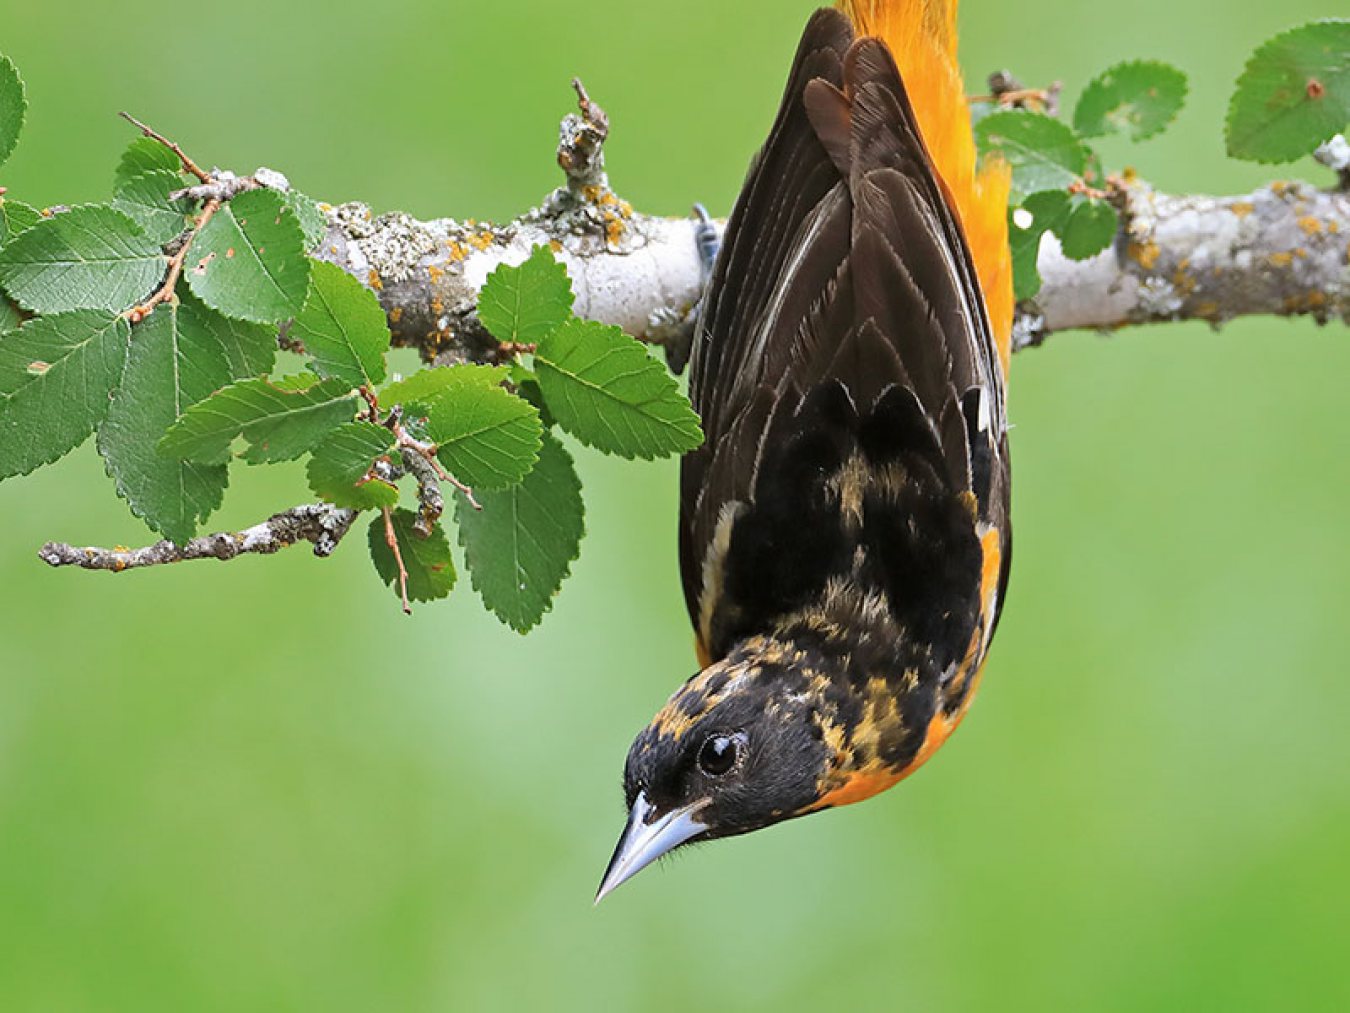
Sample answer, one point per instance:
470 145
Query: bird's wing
842 261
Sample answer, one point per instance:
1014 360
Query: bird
844 529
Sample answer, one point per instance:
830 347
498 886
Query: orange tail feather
921 35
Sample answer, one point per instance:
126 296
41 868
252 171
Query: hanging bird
844 533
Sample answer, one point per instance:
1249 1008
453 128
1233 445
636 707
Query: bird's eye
718 754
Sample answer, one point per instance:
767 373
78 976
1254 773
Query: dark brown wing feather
842 261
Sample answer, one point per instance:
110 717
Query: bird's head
739 747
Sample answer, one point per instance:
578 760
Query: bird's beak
645 840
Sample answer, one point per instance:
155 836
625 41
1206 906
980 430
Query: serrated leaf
426 384
339 468
1141 96
90 257
278 421
604 389
55 377
145 199
13 104
250 349
249 260
343 327
1090 228
486 436
142 155
1293 95
1044 153
431 570
16 217
313 221
1039 213
10 317
520 546
525 303
170 368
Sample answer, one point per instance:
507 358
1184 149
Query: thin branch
165 292
320 523
391 539
431 502
189 165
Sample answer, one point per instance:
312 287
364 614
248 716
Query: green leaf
1143 96
313 221
521 545
143 155
15 217
431 571
10 317
12 106
145 199
1039 213
249 260
527 302
1090 228
1044 153
279 420
604 389
90 257
486 436
427 384
339 468
250 349
170 368
343 327
1293 95
55 377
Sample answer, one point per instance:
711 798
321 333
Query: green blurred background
260 787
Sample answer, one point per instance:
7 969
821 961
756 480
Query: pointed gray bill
644 842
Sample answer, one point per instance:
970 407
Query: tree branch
1282 250
320 523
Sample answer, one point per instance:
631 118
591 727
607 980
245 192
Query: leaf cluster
152 321
1293 95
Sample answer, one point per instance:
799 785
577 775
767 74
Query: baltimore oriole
844 530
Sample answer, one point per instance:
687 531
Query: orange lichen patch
921 35
591 193
396 314
1281 259
437 306
434 273
614 229
1279 188
1144 254
1207 310
1307 302
480 240
1333 226
555 246
1182 281
1242 208
373 280
458 251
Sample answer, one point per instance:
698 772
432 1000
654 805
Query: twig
138 313
320 523
188 164
391 539
431 501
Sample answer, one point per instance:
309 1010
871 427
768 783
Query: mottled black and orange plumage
844 532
